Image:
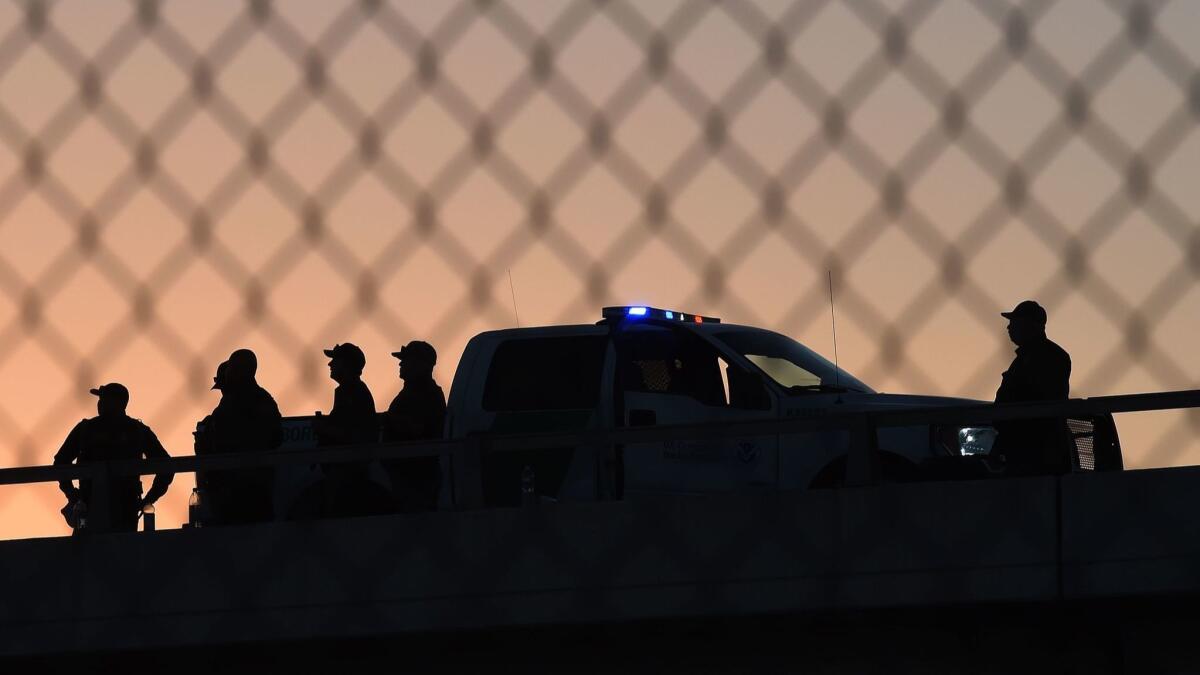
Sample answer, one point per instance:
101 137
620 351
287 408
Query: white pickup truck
642 366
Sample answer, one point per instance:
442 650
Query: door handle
642 418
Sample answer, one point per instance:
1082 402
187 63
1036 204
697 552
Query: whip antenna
512 289
837 372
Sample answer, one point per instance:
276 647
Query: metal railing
463 456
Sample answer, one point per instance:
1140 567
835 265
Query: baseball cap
418 350
1027 309
113 390
348 352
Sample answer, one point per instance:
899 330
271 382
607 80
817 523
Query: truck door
669 375
537 384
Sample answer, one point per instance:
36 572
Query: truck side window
551 373
670 362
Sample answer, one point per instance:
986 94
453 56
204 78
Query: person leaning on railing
417 413
111 435
1041 371
245 422
203 443
346 489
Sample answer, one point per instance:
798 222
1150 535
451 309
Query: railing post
862 461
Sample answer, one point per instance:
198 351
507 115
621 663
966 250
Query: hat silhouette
113 390
1027 309
418 350
349 353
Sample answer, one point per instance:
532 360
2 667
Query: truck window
786 361
783 371
552 373
678 363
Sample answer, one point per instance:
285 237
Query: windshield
789 363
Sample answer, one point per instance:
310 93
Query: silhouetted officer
202 436
112 435
352 418
418 412
219 377
347 490
1041 371
246 421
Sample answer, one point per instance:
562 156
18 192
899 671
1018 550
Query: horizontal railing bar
1076 407
190 463
825 420
45 473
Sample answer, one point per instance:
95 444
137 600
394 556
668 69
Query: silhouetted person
347 489
418 412
245 422
202 436
352 418
112 435
1040 372
219 377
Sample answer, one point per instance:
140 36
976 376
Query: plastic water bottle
195 508
148 518
528 486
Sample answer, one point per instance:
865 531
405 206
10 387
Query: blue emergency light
644 312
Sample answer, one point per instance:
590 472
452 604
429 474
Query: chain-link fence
178 179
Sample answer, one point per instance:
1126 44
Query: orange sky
450 283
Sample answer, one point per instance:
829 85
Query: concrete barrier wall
1132 533
892 546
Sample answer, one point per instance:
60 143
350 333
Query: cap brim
1007 315
398 355
94 392
328 352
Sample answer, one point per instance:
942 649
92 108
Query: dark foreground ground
1147 636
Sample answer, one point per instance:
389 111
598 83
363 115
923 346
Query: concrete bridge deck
1078 548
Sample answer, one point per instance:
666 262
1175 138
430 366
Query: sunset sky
212 177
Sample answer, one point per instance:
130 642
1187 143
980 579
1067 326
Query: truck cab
643 366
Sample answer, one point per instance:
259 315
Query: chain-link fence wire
179 179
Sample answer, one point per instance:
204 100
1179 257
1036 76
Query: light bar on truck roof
644 312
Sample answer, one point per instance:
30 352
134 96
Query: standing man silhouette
246 421
203 443
352 418
348 489
418 412
1041 371
111 435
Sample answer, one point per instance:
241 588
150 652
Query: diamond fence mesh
179 179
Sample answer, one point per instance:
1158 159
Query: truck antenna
512 289
837 372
